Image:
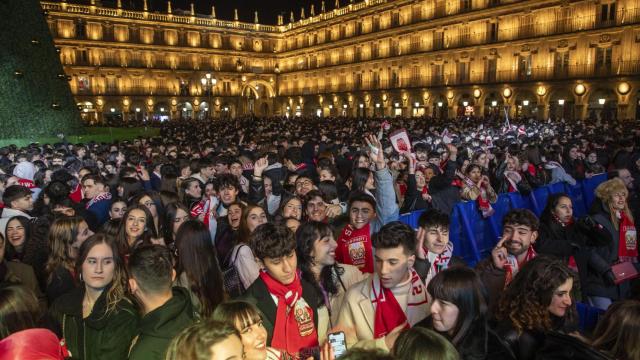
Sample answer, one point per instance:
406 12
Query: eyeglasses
304 183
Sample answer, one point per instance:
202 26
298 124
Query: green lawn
97 134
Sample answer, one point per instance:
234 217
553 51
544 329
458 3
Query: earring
80 277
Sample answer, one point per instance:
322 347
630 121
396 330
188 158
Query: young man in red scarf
392 299
289 304
515 248
368 214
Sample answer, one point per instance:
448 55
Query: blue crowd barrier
588 317
473 236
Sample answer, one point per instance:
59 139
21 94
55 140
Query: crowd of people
276 238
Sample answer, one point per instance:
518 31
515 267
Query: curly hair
525 301
272 241
605 192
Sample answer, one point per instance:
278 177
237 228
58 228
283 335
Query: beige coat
351 276
357 315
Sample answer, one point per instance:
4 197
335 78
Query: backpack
230 275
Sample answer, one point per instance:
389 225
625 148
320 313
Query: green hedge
103 134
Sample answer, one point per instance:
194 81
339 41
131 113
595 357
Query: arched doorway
561 105
440 107
185 110
603 105
161 112
88 112
526 104
465 105
493 105
112 114
203 112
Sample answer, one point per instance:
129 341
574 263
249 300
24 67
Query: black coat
575 240
480 342
259 295
525 345
413 198
558 346
601 258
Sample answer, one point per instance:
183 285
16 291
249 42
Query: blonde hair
62 234
605 192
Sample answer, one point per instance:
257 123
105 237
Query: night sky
268 10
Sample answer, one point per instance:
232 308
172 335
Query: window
462 73
374 50
492 32
607 13
465 5
524 66
437 74
83 84
357 81
395 19
490 66
603 61
465 36
561 64
438 40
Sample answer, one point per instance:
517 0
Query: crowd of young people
274 238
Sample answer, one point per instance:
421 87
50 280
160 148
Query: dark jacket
573 240
13 272
421 266
413 197
99 336
525 345
479 343
599 278
158 327
558 346
60 283
493 279
259 295
36 249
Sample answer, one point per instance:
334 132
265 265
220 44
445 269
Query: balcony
623 68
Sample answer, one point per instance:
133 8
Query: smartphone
338 343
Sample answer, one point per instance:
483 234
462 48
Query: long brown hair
243 231
62 234
618 332
117 289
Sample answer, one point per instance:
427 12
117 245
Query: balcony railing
573 24
157 17
622 68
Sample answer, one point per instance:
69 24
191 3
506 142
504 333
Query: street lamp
208 84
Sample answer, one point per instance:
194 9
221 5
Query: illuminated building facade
544 58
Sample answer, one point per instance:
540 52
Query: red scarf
389 314
355 248
294 329
628 243
513 265
483 203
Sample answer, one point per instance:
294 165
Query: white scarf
438 262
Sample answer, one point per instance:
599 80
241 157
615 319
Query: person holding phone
377 309
515 248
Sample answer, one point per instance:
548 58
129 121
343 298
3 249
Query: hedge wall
35 97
